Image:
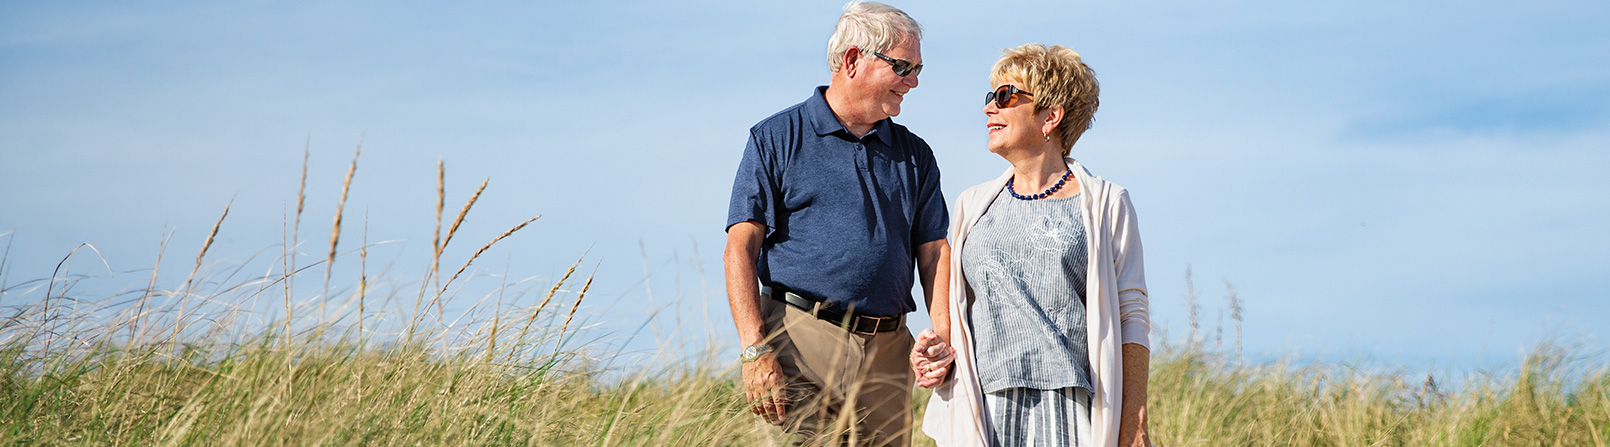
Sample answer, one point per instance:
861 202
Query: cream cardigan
1115 308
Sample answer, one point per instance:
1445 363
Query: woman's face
1014 127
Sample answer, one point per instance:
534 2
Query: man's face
881 89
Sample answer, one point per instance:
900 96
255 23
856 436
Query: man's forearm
743 286
933 270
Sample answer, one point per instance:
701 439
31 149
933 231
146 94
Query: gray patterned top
1026 261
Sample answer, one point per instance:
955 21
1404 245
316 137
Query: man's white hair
870 26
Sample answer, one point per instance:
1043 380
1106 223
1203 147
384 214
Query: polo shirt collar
823 121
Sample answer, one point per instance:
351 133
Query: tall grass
1207 396
1199 398
182 368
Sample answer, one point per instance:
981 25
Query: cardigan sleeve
1134 314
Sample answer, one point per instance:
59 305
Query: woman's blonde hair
1058 78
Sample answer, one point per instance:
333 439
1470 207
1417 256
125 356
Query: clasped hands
931 359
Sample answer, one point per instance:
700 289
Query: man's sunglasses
901 67
1004 96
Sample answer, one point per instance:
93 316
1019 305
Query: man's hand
763 383
931 359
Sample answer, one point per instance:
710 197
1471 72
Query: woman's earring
1047 137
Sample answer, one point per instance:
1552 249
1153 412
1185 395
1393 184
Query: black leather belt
853 322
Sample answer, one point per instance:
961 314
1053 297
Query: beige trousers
846 388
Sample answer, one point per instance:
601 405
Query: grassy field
174 366
268 391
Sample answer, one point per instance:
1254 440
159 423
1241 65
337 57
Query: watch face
752 352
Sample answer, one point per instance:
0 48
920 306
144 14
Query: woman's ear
1052 117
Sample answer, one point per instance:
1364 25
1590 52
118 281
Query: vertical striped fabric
1022 417
1026 261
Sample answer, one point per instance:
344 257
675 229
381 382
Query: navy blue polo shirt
843 215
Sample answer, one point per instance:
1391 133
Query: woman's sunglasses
901 67
1004 96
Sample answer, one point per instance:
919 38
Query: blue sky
1416 183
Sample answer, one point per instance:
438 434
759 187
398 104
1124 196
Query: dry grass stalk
296 229
1234 306
301 188
6 257
579 296
335 231
44 313
553 290
4 276
492 340
441 201
1190 305
520 339
184 295
443 289
363 274
436 240
464 212
139 311
453 229
435 245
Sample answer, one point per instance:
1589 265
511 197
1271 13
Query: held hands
763 384
931 359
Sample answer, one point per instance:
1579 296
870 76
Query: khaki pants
846 388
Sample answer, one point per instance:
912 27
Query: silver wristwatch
753 352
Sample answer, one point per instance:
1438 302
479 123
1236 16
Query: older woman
1048 305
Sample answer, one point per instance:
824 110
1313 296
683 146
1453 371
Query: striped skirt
1032 417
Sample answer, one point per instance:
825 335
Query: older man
832 207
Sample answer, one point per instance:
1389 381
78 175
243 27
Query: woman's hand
931 359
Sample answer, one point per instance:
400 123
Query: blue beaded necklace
1042 195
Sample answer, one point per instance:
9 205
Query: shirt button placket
860 156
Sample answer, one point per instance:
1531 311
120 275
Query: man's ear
848 64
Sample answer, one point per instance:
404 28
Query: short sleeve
754 188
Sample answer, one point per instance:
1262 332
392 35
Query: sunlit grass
1201 398
270 392
267 392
